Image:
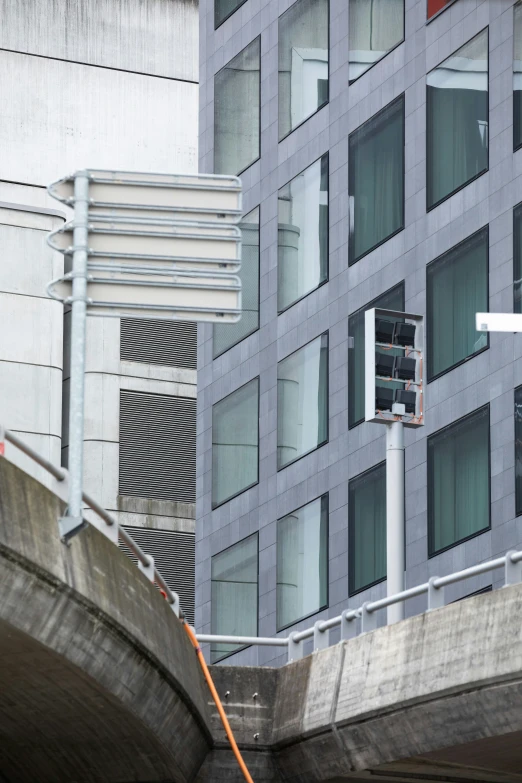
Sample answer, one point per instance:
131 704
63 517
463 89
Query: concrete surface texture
98 681
99 84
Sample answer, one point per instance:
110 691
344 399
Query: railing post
148 569
513 570
435 594
368 619
348 625
321 638
295 649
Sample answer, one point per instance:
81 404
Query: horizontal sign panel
191 298
206 197
498 322
183 244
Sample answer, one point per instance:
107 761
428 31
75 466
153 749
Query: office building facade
379 148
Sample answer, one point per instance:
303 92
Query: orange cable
222 715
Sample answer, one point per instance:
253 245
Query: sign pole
395 516
73 522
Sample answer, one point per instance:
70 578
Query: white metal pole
395 516
74 520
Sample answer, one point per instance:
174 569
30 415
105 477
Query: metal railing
112 529
319 632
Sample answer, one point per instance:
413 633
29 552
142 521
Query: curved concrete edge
90 604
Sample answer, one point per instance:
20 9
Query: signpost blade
205 197
187 245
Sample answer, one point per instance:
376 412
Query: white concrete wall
101 84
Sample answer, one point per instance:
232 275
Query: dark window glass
436 5
227 335
303 62
391 300
367 528
458 481
234 595
518 450
235 443
236 111
224 8
457 119
457 289
302 401
376 180
375 27
517 258
302 247
302 562
517 77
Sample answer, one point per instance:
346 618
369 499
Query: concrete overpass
99 683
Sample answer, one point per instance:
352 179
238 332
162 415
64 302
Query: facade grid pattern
490 377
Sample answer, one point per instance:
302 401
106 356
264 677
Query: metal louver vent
171 343
173 554
157 446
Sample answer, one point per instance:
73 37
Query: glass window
517 258
517 77
302 246
391 300
457 289
303 62
224 8
518 450
457 120
302 562
376 180
235 443
367 529
236 112
376 27
227 335
234 594
458 481
434 6
302 401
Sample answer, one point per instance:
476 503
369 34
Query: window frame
255 483
518 511
327 102
516 146
257 38
229 348
363 309
352 81
327 278
429 314
230 13
327 440
352 261
427 158
351 547
517 229
230 546
326 497
432 553
437 13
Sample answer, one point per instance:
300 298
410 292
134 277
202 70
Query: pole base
69 527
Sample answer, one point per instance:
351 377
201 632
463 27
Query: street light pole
73 521
395 516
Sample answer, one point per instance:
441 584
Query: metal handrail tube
481 568
102 512
516 557
59 473
263 641
411 592
333 622
302 635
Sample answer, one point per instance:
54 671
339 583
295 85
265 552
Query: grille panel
157 446
173 554
170 343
